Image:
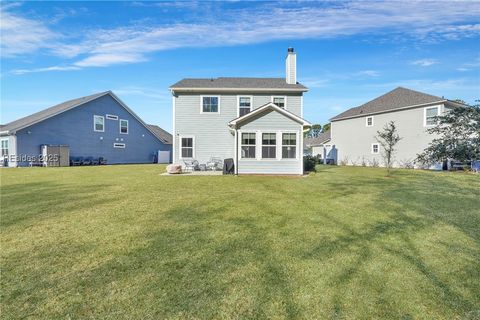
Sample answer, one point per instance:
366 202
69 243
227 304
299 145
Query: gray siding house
353 131
255 121
321 147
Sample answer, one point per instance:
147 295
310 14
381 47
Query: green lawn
346 243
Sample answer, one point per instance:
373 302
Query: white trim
301 106
118 145
212 96
111 117
238 89
180 146
238 103
273 106
174 134
120 126
235 153
366 121
94 126
425 115
440 102
284 101
378 148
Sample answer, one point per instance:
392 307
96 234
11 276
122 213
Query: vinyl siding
75 129
353 139
213 138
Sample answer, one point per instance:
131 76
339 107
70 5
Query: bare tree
388 139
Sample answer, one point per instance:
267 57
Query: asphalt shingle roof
160 133
316 141
395 99
47 113
237 83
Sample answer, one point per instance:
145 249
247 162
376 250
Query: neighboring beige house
353 132
321 147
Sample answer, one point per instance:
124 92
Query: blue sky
347 52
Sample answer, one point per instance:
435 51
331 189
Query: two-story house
258 122
353 132
99 125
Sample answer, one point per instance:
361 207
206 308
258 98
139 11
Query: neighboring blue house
99 125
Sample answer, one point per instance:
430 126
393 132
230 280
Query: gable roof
396 99
273 107
45 114
237 84
49 112
161 134
317 141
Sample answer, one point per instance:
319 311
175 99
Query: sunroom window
269 145
248 146
289 145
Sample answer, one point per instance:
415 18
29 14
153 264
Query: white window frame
120 126
255 145
103 120
1 146
238 103
425 115
268 145
210 96
296 145
378 148
284 101
366 121
180 146
118 145
111 117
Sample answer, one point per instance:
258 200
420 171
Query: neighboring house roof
49 112
396 99
318 141
32 119
161 134
225 84
265 107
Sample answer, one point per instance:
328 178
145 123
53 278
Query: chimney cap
290 49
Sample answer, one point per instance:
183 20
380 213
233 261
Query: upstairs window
187 147
289 145
98 123
248 146
430 116
210 104
369 121
123 126
269 145
279 101
244 105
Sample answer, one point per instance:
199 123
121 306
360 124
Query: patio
194 173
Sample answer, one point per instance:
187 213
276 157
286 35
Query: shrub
309 163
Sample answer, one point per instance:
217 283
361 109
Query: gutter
179 89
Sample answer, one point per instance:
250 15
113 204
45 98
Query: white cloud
228 27
54 68
368 73
424 62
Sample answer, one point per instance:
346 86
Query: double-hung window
375 148
430 116
123 126
279 101
98 123
369 121
289 145
248 145
210 104
269 145
244 105
187 147
4 145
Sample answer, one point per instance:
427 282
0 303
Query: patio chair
88 161
215 164
191 165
